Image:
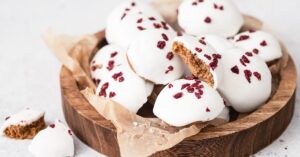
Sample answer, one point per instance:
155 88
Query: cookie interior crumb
197 67
25 132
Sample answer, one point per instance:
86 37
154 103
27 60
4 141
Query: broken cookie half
23 125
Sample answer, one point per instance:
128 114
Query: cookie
54 141
123 86
23 125
199 17
151 57
219 43
186 101
259 42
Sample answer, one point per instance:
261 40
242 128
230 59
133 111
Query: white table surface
29 73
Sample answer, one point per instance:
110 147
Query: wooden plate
239 138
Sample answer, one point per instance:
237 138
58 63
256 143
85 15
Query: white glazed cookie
105 60
246 83
262 43
123 86
225 114
151 57
185 101
127 21
199 17
55 141
22 118
202 59
219 43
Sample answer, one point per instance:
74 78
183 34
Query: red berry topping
6 118
127 9
207 109
165 26
249 54
152 18
112 55
198 49
245 59
235 70
178 95
248 75
140 28
139 20
202 42
133 4
207 56
103 89
170 68
170 85
112 94
93 68
216 6
185 85
170 56
263 43
198 95
70 132
110 65
257 75
194 3
256 51
161 44
52 125
97 81
217 56
207 20
242 38
190 89
123 16
121 79
221 7
252 31
156 25
165 37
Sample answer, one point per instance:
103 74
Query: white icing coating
149 88
225 114
267 45
198 102
219 43
151 58
204 52
54 141
126 21
123 86
23 118
219 17
247 81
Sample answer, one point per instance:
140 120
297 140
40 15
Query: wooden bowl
239 138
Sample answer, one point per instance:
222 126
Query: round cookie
24 124
247 81
202 59
199 17
126 22
54 141
186 101
151 57
123 86
219 43
225 114
105 60
261 43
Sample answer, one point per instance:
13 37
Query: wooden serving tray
239 138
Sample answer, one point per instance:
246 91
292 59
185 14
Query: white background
29 73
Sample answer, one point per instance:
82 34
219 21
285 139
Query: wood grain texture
239 138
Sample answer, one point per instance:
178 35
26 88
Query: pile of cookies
205 67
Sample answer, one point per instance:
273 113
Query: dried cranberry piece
217 56
194 3
161 44
170 68
112 55
127 9
111 64
156 25
248 75
165 26
207 109
243 37
93 68
123 16
139 20
103 89
242 62
140 28
133 4
249 54
112 94
207 20
117 75
178 95
198 95
52 125
198 49
70 132
207 56
202 42
256 51
165 37
170 55
170 85
152 18
185 85
189 77
252 31
257 75
263 43
235 69
245 59
216 6
6 118
221 7
97 81
190 89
